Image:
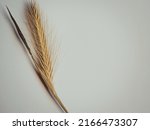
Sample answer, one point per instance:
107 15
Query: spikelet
43 57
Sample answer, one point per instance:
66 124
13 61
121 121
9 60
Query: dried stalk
43 58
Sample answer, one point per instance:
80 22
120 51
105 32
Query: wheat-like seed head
44 60
43 56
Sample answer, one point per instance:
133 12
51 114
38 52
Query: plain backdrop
103 63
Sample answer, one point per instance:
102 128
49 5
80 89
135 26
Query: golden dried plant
41 55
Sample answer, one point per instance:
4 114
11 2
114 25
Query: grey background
104 58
